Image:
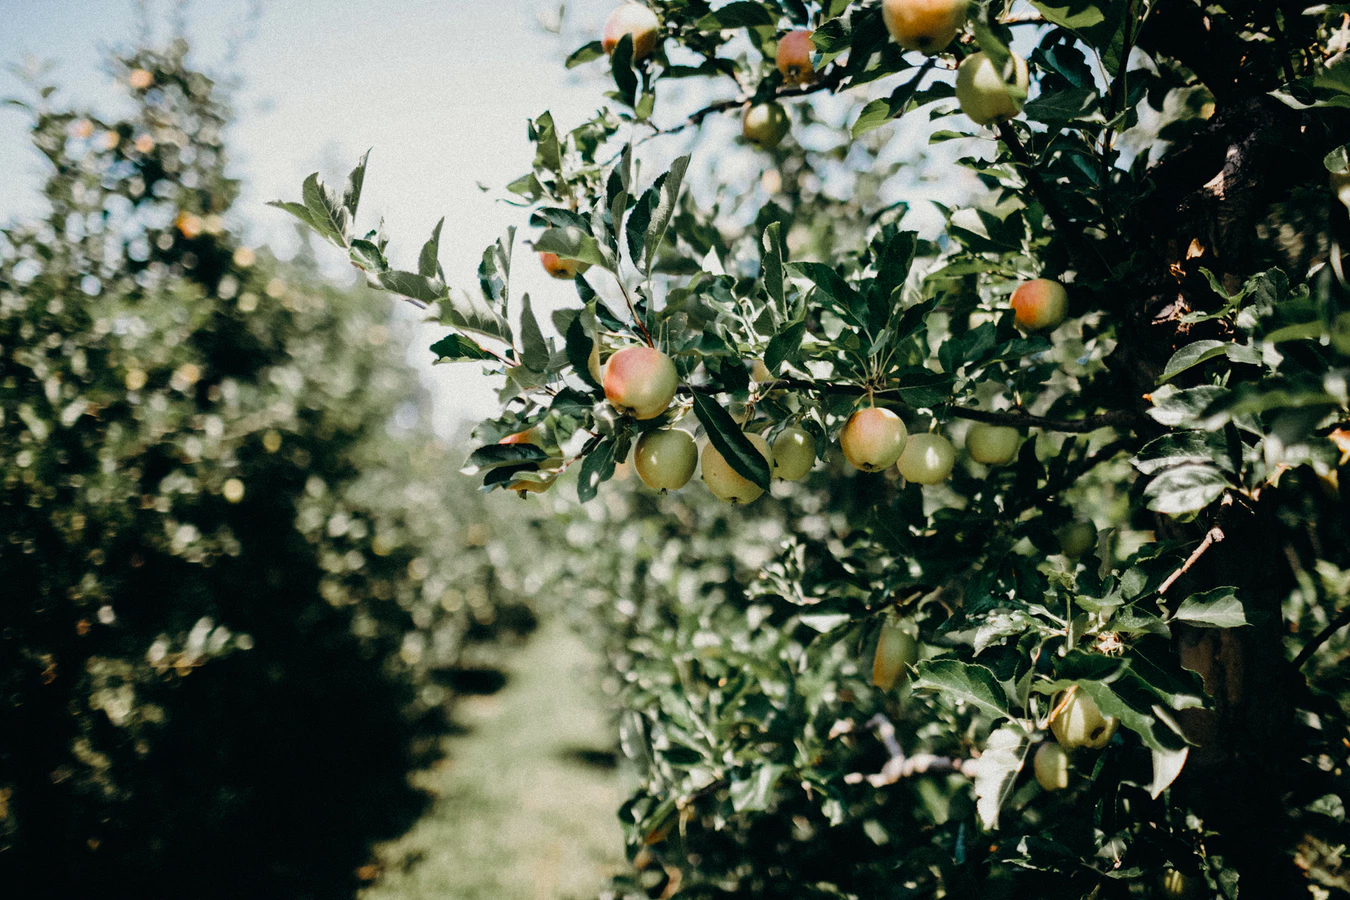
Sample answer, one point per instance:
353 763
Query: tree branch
902 766
1322 637
1212 537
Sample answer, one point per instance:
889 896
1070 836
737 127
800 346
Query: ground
527 796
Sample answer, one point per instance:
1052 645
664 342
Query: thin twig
902 766
1323 636
1212 537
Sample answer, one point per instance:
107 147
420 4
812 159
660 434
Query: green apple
1077 538
1052 766
765 124
983 94
724 481
927 459
1077 722
794 453
665 459
896 649
993 445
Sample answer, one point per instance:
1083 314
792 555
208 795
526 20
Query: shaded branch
1322 637
1212 537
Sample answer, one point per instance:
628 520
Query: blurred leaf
996 773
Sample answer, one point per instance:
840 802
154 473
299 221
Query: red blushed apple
924 25
794 58
1039 304
636 20
873 439
640 382
562 268
983 94
765 125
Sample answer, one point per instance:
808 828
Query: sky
438 90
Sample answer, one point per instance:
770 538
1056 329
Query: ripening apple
759 372
640 382
984 95
562 268
872 439
765 124
1077 538
665 459
924 25
724 481
896 650
1052 766
794 453
1039 304
593 364
794 58
926 459
992 445
1079 723
632 19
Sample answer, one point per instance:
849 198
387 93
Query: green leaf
741 14
301 212
1075 15
596 468
1192 355
1167 765
966 682
771 264
785 345
754 793
457 348
427 263
730 441
548 151
1181 448
495 456
330 216
845 300
1219 608
533 348
621 65
664 209
1185 489
351 191
1177 408
462 311
573 243
996 773
366 256
1060 107
586 53
408 284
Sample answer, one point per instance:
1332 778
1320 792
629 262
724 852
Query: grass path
521 814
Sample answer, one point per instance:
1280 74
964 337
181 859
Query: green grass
521 814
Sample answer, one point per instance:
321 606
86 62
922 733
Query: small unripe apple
927 459
872 439
1077 538
632 19
1039 304
562 268
765 124
759 373
896 649
1079 723
794 58
992 445
1052 766
640 382
924 25
724 481
984 95
794 453
1176 886
665 459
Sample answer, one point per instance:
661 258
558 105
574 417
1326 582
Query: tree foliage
1169 540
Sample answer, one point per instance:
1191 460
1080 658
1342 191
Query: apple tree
1053 289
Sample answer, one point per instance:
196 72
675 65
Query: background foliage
240 574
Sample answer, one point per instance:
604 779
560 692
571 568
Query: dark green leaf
730 441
